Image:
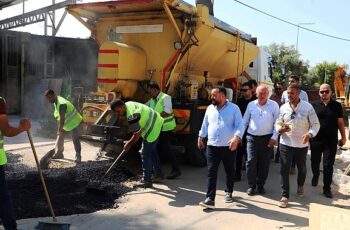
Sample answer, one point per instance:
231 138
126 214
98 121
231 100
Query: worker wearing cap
161 102
69 120
149 124
6 208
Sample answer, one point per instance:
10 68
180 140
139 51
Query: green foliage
324 73
287 61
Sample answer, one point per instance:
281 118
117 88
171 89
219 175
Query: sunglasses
292 116
278 88
244 90
324 92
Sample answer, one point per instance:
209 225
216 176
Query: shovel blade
45 160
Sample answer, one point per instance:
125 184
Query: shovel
45 160
46 225
97 189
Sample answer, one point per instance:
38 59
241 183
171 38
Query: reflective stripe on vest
72 116
150 121
169 122
3 158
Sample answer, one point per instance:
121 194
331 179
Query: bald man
260 118
330 115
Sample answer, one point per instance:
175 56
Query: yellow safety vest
169 122
3 158
72 116
150 121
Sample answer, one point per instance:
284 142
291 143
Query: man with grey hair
330 114
259 120
297 124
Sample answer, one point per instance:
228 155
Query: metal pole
297 37
298 25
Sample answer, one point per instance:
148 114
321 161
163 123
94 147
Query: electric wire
293 24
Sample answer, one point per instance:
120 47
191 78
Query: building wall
29 64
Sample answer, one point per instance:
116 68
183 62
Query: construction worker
6 208
146 123
69 120
161 103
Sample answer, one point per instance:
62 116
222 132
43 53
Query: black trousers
163 148
287 155
214 156
241 156
328 149
6 207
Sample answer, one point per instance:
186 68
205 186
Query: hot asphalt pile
66 186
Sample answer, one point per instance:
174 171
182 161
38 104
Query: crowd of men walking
243 137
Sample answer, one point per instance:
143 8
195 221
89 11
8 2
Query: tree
287 61
324 73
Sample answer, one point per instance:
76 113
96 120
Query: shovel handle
112 165
41 177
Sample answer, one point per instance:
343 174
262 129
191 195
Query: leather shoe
261 190
328 194
251 191
173 175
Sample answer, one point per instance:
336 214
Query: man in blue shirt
222 125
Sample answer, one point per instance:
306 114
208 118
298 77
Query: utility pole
298 26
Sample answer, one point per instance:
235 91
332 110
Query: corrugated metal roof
6 3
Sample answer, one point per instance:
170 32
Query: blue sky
330 17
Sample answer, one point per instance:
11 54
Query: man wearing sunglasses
242 103
277 95
330 114
297 124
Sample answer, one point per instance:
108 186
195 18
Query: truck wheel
195 156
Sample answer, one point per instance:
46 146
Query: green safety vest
3 158
150 121
169 122
72 116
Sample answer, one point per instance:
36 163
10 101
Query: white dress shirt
302 121
303 96
260 120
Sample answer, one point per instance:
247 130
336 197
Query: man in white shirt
294 79
260 118
297 124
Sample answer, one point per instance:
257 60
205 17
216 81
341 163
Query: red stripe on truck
107 65
107 80
108 51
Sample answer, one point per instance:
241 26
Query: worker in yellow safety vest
146 123
161 102
69 120
6 208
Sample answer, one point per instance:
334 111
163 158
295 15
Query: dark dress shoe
173 175
314 181
328 194
261 190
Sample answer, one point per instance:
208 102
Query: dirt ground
172 204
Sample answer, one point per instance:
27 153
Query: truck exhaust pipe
209 4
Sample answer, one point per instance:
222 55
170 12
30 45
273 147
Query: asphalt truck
184 48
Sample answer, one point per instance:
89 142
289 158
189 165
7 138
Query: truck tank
180 46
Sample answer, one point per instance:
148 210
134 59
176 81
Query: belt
267 135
